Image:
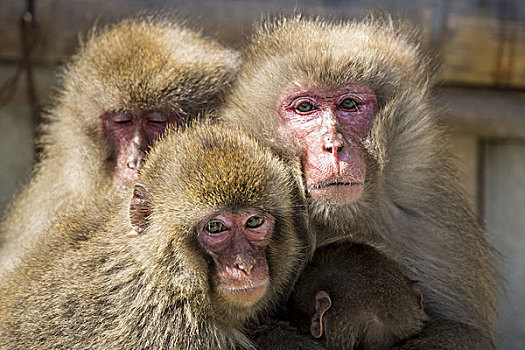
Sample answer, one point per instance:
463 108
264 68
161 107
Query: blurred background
481 47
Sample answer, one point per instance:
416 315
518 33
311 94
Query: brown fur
93 283
149 63
373 306
413 209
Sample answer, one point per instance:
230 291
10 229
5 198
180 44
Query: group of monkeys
299 195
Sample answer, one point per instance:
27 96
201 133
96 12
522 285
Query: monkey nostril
333 143
244 268
330 149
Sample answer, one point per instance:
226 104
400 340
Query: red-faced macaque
352 297
353 101
208 240
119 93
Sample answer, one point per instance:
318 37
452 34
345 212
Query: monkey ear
419 297
139 209
417 293
322 304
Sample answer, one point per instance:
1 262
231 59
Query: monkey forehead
332 54
151 62
217 167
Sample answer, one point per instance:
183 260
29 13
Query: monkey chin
243 296
337 193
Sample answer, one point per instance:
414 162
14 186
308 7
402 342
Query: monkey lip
244 295
337 192
334 183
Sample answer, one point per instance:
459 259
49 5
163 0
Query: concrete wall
504 209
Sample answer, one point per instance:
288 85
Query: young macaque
352 297
128 83
211 237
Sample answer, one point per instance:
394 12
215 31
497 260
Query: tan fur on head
153 63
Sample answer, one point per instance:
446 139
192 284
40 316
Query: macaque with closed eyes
119 93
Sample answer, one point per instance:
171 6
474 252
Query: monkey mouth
250 288
244 295
334 183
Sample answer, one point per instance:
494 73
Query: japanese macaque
353 101
352 297
126 85
210 238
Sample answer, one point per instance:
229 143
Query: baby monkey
353 297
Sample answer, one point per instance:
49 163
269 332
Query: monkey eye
214 228
348 104
254 221
304 107
121 118
157 118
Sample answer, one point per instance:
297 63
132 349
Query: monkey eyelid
353 96
122 121
302 99
156 117
120 118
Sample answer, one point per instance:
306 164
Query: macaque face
330 127
130 135
237 243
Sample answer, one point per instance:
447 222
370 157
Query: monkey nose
133 164
333 143
135 159
244 263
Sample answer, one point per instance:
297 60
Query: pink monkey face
130 135
237 243
330 127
